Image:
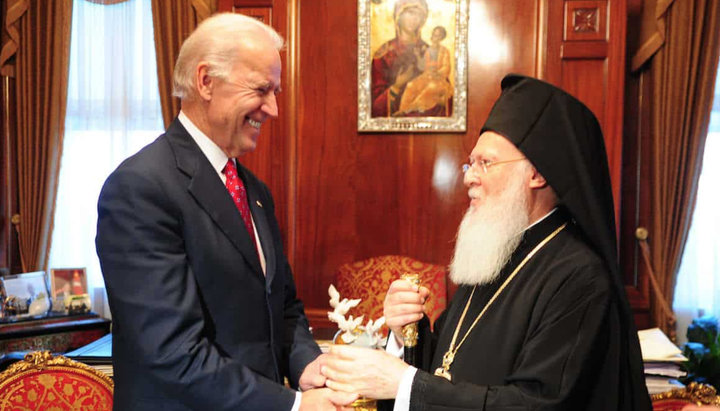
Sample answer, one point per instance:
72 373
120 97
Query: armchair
42 381
369 280
693 393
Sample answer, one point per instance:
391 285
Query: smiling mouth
254 123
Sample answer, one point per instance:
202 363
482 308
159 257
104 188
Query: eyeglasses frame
486 164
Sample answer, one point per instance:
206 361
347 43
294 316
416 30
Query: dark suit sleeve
299 348
554 367
157 309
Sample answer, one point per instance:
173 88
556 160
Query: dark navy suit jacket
196 324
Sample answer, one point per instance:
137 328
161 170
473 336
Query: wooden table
57 334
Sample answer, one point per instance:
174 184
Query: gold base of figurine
364 404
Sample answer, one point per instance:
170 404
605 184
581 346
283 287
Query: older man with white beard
540 320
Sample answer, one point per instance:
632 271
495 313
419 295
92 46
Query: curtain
39 38
15 10
652 31
698 283
681 72
113 109
174 21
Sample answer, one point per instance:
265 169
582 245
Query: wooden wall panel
586 57
344 196
580 78
361 195
270 160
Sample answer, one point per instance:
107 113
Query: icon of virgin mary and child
409 77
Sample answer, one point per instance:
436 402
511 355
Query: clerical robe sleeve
555 368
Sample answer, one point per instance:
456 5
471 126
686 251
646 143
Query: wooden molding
585 20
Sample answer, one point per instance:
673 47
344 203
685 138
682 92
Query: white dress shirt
218 159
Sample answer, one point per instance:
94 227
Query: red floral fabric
369 280
55 389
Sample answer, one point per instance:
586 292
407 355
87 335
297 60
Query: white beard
489 234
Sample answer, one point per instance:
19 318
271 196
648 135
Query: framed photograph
65 282
412 65
25 286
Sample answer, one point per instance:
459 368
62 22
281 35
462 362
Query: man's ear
204 83
537 180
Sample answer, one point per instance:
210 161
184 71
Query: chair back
42 381
693 393
369 280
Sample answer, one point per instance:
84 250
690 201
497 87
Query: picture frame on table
66 282
23 295
26 286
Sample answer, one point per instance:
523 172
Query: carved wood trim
292 116
585 20
541 39
43 360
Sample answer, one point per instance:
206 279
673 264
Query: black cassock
552 340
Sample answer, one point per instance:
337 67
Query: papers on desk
97 354
656 346
656 385
662 361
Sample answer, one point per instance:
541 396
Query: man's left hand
371 373
311 376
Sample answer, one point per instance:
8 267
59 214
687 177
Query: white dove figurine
334 296
351 324
340 306
372 329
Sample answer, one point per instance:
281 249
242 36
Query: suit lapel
210 193
257 208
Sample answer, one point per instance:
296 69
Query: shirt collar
218 159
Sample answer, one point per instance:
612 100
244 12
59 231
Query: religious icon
412 65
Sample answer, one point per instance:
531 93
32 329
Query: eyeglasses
484 165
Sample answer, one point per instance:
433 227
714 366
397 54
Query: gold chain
449 357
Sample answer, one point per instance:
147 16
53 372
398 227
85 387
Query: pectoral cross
444 371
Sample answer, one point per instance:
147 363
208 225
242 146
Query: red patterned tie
237 191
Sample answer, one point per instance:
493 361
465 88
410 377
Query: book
662 361
656 346
97 354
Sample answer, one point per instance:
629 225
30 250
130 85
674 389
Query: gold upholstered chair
369 280
43 381
693 393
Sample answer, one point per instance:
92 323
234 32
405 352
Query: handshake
336 379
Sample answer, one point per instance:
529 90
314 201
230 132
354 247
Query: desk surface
53 324
56 333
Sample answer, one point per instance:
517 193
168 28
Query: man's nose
470 178
270 106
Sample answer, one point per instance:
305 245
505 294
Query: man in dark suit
205 314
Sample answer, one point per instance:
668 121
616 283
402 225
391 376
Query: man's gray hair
217 40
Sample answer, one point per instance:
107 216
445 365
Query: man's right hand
326 399
404 304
